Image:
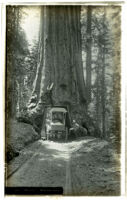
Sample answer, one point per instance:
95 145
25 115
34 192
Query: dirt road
84 167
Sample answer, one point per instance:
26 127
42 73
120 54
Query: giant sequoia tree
56 60
59 61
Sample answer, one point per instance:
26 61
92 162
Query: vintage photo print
63 100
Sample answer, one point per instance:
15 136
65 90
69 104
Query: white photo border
123 4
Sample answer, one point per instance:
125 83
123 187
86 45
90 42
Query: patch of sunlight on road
55 145
94 146
74 145
99 145
65 147
64 156
60 150
111 169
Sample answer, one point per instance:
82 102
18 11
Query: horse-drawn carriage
56 123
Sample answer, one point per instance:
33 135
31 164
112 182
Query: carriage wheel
66 134
46 133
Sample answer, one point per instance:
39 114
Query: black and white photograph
63 100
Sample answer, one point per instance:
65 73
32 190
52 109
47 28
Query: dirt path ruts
68 165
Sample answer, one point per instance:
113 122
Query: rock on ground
18 136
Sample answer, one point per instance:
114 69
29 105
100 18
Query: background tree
88 57
103 53
17 49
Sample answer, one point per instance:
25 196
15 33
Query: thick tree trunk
60 60
103 83
88 57
103 93
97 92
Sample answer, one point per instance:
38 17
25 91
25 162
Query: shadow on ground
88 166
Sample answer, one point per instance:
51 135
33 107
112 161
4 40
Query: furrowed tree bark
60 62
88 57
103 94
103 85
